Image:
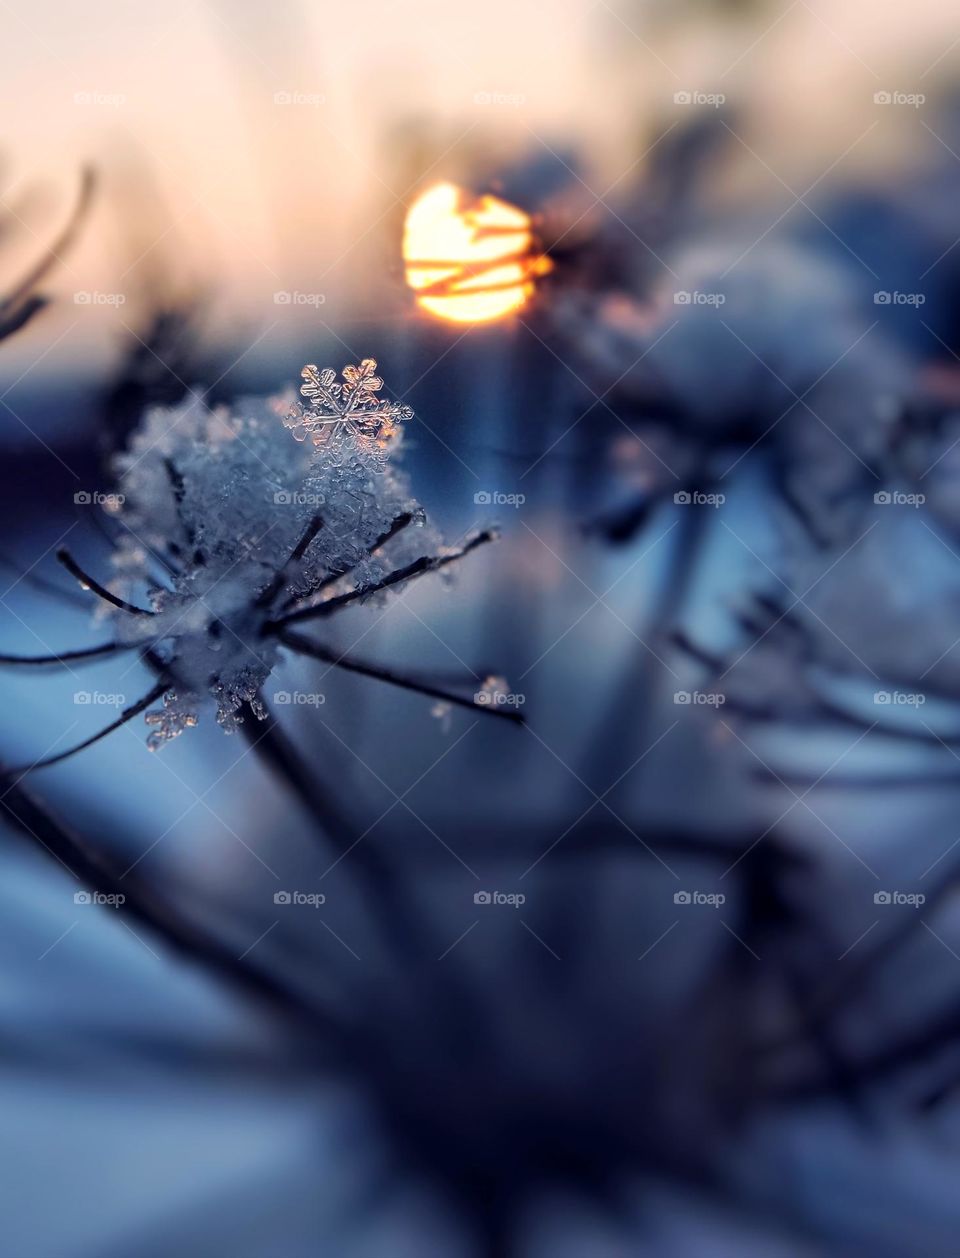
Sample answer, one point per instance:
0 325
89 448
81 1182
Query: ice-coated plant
232 536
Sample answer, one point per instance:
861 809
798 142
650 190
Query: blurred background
672 969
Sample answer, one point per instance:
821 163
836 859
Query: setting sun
469 260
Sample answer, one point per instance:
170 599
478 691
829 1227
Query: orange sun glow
470 261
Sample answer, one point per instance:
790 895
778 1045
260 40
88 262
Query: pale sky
272 146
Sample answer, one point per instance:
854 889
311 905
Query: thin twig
37 582
54 251
397 526
126 715
270 592
305 646
69 657
90 583
95 870
425 564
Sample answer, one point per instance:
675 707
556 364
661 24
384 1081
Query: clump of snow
215 504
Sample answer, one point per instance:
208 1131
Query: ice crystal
347 418
170 721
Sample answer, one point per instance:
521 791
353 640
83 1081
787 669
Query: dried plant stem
425 564
55 251
69 596
377 881
279 754
98 872
397 526
328 655
101 591
126 715
270 592
69 657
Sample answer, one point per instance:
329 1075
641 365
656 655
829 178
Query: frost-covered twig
419 567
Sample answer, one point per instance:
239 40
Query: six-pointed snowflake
348 414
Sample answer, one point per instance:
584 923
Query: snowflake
348 415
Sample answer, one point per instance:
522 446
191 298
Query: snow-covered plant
233 535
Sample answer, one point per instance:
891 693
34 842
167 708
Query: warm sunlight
469 260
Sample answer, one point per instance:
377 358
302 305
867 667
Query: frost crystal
347 418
